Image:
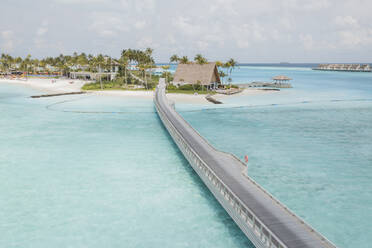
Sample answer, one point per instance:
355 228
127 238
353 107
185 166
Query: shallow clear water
107 179
87 171
310 146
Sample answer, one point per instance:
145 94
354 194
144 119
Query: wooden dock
265 85
229 91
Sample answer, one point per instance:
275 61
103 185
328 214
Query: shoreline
58 86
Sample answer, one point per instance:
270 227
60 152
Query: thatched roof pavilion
281 79
193 73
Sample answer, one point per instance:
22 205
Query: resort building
51 68
107 72
206 75
86 75
111 65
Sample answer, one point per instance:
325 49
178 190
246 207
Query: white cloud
140 24
315 5
171 39
125 3
351 34
346 21
306 5
265 30
202 45
356 38
108 24
144 5
39 39
79 1
223 6
145 42
7 42
307 41
250 33
41 31
185 25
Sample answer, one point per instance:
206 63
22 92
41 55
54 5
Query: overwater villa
344 67
281 79
193 73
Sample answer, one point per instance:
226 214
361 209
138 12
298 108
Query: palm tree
124 61
143 67
232 64
42 64
27 61
174 58
219 64
100 60
149 51
82 60
35 63
149 60
227 67
200 59
184 60
11 61
166 68
222 74
6 61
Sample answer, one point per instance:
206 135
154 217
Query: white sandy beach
69 85
49 85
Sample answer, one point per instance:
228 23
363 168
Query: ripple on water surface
99 180
316 158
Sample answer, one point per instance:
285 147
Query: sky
259 31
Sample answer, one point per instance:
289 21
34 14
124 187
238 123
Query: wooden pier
263 219
231 91
265 85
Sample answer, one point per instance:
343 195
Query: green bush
186 87
190 87
171 87
198 86
231 86
105 85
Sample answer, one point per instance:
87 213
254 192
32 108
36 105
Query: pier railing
262 218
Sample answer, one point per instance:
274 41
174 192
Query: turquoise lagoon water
310 146
101 171
88 171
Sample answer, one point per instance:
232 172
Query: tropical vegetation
62 64
134 68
